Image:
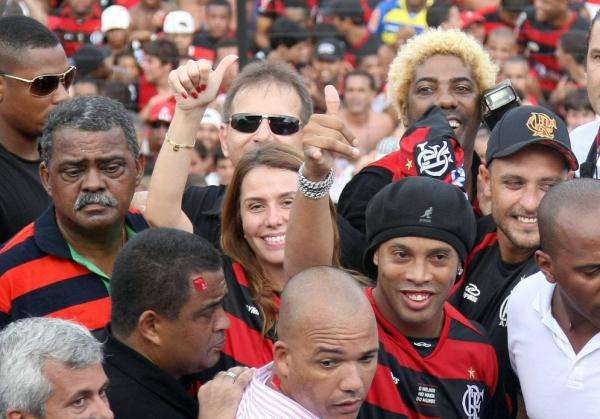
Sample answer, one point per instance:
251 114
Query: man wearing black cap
328 64
432 361
528 152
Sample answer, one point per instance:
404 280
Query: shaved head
320 295
18 36
568 207
570 256
326 355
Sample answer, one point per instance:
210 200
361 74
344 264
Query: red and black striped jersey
74 32
245 343
483 291
541 39
459 379
38 276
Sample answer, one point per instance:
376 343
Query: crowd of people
331 226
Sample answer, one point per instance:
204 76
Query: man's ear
14 414
376 257
223 134
281 359
45 178
486 180
149 327
544 261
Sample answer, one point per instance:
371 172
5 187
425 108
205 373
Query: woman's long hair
278 156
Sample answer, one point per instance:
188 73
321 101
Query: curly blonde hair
438 42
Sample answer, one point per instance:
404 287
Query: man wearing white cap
114 25
179 27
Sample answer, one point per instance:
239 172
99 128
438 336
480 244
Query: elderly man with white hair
52 369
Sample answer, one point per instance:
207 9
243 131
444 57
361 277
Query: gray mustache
99 198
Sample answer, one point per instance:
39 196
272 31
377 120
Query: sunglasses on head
47 84
279 124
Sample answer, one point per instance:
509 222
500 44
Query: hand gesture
324 134
196 84
220 397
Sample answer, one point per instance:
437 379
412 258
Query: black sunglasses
279 124
47 84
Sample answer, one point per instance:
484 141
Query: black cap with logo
526 125
423 207
329 49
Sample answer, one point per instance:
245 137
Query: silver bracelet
314 190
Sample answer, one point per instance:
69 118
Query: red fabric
488 241
147 91
74 32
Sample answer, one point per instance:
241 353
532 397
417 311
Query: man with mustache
168 321
61 264
444 68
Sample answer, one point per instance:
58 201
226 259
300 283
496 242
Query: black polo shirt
140 390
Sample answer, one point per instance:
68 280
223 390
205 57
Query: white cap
179 21
212 117
115 17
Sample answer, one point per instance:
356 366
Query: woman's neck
275 275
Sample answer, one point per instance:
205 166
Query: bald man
554 316
326 355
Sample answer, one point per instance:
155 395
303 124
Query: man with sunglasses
266 102
34 78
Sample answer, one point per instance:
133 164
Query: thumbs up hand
325 134
196 84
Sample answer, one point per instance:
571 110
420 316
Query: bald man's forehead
574 228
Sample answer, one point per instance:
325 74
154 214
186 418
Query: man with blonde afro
435 85
326 355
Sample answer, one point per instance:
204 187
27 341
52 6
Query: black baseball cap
329 49
423 207
526 125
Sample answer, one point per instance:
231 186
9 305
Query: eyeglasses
47 84
279 124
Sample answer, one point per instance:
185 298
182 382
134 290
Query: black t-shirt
22 196
202 205
484 293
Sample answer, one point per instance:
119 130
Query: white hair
26 345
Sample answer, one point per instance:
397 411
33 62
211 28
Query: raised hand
324 134
196 84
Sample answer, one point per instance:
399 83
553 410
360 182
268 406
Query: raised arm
309 236
195 85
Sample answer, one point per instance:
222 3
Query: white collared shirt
260 401
582 138
555 381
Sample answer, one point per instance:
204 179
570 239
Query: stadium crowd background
125 49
